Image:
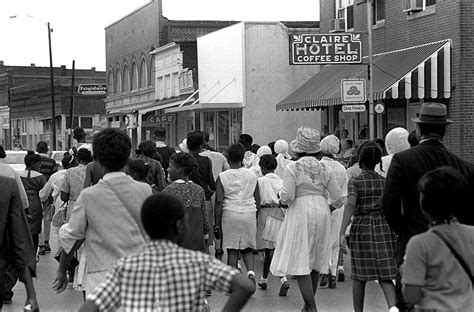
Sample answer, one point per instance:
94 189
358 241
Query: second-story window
126 80
110 82
134 76
142 82
345 11
378 12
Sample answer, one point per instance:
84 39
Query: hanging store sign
131 121
343 48
92 89
160 119
353 108
379 108
353 91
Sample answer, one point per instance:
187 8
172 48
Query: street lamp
53 107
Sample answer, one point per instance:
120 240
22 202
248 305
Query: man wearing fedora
400 200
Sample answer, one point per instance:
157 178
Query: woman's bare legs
305 283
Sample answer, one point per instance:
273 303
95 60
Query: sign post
344 48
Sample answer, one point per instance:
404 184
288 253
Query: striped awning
418 72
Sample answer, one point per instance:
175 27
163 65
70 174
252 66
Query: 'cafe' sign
325 49
160 119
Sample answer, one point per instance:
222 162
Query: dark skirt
372 248
36 211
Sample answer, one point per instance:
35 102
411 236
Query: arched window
110 82
142 83
134 76
152 71
126 79
118 82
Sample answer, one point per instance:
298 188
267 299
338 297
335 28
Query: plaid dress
371 239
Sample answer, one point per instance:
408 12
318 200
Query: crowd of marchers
136 232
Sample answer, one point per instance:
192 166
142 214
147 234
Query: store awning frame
418 72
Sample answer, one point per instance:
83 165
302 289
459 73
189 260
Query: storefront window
223 129
363 129
236 125
396 117
209 127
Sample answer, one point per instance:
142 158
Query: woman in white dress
302 246
237 202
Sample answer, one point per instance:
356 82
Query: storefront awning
418 72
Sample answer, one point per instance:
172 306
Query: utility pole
71 107
370 72
53 107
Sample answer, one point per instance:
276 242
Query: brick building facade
397 29
26 90
131 65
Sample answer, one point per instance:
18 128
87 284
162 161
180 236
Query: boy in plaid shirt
166 277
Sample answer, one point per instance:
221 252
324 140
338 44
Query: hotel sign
342 48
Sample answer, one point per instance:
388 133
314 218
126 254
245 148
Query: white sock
283 279
263 280
340 267
250 273
393 309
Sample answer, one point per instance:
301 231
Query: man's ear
180 226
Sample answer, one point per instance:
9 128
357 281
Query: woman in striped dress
371 239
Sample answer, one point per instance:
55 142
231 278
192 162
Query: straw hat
307 141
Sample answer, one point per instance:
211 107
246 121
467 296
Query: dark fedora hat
433 114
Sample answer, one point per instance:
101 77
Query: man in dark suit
400 199
16 245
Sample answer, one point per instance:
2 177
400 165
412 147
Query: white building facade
243 72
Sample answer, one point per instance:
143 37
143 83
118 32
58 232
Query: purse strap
456 255
129 209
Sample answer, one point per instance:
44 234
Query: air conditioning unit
412 5
337 25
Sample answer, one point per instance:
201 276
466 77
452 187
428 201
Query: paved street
333 300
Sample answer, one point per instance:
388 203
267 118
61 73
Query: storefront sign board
341 48
92 89
353 91
353 108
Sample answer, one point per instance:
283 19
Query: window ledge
428 11
379 24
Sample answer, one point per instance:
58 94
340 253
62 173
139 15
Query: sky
78 26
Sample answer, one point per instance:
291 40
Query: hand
217 232
61 281
32 304
343 244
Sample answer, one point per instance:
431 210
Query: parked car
16 159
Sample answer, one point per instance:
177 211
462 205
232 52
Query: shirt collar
160 144
182 181
161 244
112 175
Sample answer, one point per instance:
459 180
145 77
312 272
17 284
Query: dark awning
418 72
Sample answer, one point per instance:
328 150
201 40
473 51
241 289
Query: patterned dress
371 239
192 195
